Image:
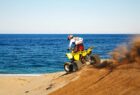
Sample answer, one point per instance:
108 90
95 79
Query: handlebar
70 49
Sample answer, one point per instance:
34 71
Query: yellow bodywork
76 55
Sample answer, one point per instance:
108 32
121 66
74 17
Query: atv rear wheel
77 64
94 59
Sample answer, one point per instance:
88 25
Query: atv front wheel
70 67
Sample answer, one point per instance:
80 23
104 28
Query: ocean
45 53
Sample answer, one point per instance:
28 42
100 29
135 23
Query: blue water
45 53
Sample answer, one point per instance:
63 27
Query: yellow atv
79 59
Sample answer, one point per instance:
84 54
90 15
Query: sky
69 16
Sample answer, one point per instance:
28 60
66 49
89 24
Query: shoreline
40 74
20 75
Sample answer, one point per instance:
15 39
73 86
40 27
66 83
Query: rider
77 41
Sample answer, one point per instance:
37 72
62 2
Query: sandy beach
34 84
27 84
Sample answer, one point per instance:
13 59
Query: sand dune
124 80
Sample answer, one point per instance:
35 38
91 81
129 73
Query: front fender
69 55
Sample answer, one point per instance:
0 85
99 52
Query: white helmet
70 36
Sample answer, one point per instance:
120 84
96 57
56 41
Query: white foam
21 74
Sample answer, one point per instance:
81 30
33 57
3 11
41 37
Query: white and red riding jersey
76 41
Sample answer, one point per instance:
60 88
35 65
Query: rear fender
89 50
